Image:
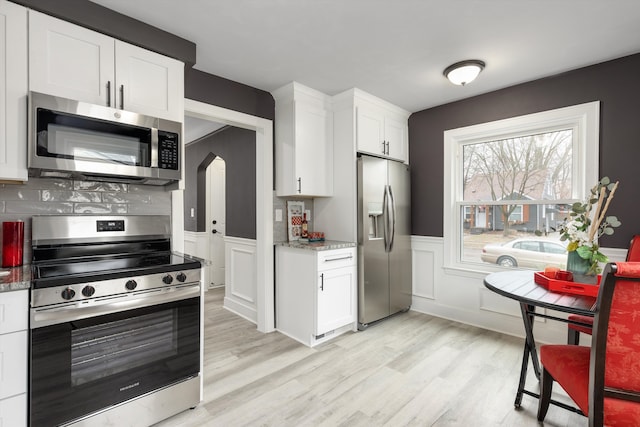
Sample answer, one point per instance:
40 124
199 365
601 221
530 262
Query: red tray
565 287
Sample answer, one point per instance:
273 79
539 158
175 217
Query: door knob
214 231
214 222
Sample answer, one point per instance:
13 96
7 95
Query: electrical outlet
278 215
193 212
308 212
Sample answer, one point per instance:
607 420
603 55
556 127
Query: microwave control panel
168 147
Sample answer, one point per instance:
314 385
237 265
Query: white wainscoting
197 244
461 295
240 277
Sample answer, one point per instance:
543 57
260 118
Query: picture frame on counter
295 211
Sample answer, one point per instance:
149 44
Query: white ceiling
394 49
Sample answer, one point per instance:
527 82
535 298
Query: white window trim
583 119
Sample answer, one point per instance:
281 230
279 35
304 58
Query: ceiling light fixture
464 72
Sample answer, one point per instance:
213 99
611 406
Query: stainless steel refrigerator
384 239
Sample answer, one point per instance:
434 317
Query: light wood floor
410 370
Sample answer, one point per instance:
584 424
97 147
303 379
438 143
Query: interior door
217 221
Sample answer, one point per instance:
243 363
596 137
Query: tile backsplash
280 230
52 196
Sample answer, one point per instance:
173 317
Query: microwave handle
154 147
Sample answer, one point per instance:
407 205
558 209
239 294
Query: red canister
12 242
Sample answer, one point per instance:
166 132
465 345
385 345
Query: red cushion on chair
633 254
569 366
623 340
621 413
631 269
581 319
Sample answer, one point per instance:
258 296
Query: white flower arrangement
588 221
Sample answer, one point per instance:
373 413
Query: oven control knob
88 291
167 279
131 285
68 293
181 277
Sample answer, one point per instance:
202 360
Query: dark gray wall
238 148
614 83
222 92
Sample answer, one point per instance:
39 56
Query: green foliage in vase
588 221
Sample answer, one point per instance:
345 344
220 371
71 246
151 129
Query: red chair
603 380
573 330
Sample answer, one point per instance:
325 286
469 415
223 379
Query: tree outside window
516 178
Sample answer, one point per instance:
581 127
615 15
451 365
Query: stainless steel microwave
72 139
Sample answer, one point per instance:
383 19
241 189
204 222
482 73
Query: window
553 248
516 214
528 246
516 178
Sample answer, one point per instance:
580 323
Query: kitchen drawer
336 258
13 411
13 364
14 311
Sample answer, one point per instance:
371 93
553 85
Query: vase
579 267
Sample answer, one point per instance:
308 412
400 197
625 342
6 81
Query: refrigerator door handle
392 220
387 218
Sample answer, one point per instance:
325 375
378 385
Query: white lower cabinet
13 411
315 293
14 309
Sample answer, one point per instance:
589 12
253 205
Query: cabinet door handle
109 93
339 258
322 282
299 185
384 147
122 97
387 153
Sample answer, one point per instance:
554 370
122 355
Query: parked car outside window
526 252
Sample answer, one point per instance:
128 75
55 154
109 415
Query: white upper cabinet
74 62
304 142
149 83
396 130
381 128
70 61
13 93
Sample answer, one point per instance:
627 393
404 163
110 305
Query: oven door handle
46 316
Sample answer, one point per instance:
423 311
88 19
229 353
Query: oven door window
83 366
67 136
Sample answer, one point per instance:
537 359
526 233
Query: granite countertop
15 279
317 246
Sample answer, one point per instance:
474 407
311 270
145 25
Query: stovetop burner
87 270
73 252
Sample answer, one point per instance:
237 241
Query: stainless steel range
115 322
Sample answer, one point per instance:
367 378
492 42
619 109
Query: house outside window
515 178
